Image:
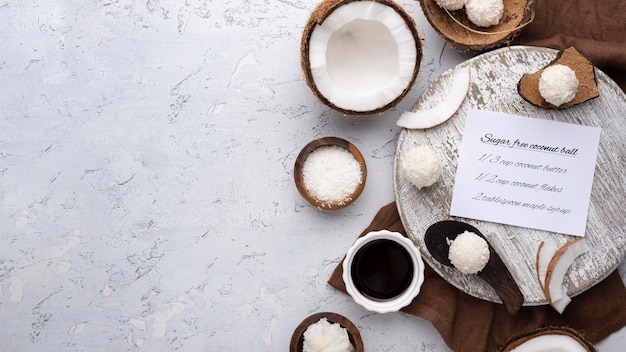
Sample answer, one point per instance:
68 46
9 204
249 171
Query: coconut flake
484 13
331 173
422 119
558 84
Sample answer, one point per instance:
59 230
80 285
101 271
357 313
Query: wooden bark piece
528 86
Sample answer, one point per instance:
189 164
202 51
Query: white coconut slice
545 253
360 57
557 269
422 119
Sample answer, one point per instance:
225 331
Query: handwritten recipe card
526 172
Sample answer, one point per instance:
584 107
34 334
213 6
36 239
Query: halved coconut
465 36
360 56
549 339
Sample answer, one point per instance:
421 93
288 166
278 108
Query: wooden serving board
494 78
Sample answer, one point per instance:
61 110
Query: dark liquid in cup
382 270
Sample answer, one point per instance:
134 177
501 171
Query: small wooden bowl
298 178
297 339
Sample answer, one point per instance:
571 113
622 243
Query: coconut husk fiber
469 324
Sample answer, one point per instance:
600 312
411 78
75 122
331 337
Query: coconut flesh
428 118
552 266
549 339
360 57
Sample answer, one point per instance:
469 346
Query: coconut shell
317 17
553 262
517 13
528 86
548 330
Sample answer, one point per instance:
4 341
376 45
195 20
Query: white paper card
525 171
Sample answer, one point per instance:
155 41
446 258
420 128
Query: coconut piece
466 36
421 119
559 264
545 253
555 339
528 86
360 57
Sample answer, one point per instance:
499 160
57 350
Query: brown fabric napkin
471 324
597 29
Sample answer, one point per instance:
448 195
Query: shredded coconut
451 5
484 13
331 173
421 166
469 253
324 336
558 84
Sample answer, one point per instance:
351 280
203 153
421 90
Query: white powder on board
331 173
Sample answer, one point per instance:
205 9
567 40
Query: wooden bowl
298 178
297 339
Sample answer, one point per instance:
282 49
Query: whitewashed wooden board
493 86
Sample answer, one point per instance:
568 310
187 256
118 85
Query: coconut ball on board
421 166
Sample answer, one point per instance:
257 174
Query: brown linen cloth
597 29
467 323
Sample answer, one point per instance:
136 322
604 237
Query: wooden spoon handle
498 276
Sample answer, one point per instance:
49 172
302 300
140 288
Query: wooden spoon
297 339
494 273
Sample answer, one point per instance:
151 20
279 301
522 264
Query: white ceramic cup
396 303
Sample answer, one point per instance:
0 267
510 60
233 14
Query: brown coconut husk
528 86
467 37
317 17
548 330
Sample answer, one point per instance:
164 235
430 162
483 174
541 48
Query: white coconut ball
451 5
558 84
421 166
484 13
469 253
